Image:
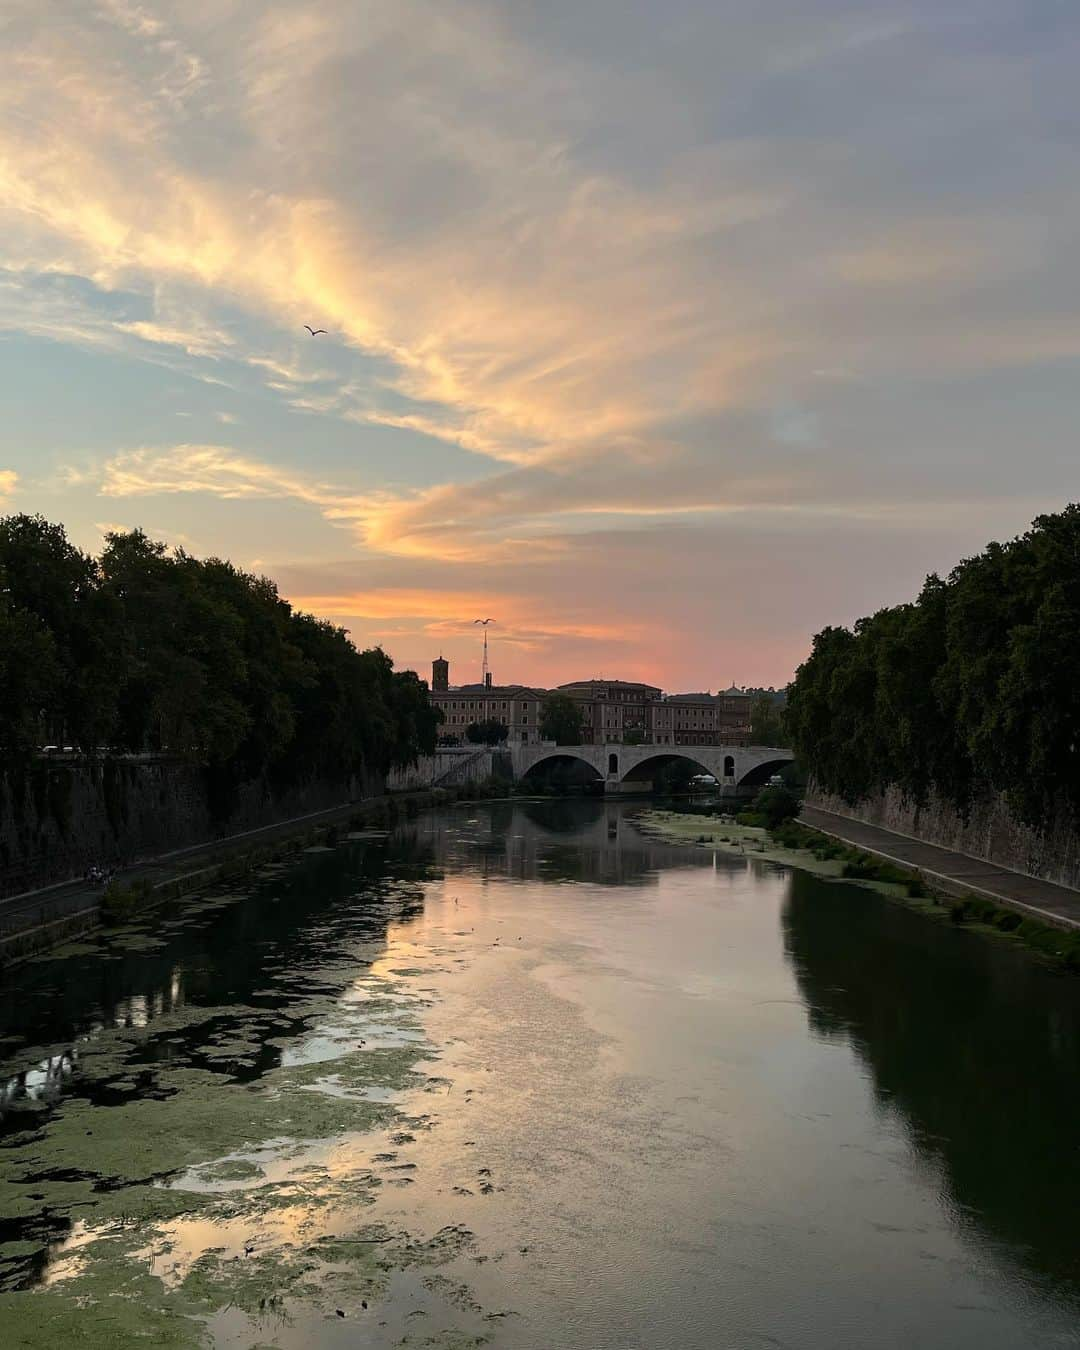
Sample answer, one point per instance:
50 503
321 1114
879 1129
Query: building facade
703 719
514 705
612 710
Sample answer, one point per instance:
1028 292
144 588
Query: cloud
9 481
210 343
174 538
212 469
540 308
696 278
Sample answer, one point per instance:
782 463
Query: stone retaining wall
450 767
57 819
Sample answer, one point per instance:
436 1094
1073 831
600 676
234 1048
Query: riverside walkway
33 920
956 873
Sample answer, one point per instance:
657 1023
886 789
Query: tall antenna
484 667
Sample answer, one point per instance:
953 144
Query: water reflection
972 1044
704 1108
217 954
201 953
560 840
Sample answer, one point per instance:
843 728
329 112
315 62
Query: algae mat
189 1169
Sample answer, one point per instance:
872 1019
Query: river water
520 1074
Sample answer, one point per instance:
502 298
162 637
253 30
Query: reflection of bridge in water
562 839
631 768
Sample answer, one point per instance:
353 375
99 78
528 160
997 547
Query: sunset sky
664 333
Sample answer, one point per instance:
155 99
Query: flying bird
485 622
314 331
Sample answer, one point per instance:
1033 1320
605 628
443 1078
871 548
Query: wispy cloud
9 481
683 277
212 469
212 343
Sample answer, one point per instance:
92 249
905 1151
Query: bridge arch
566 761
760 774
644 769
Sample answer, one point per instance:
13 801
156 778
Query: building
440 676
703 719
612 710
514 705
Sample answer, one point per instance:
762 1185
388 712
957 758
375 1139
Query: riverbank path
957 873
68 902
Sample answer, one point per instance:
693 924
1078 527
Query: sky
663 334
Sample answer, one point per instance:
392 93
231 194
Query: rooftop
496 690
610 684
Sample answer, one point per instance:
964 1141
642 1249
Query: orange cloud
447 613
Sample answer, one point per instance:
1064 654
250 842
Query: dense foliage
767 722
971 686
146 650
561 719
488 732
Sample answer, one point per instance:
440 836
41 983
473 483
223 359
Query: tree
971 688
767 722
150 650
561 719
489 732
182 649
30 675
47 577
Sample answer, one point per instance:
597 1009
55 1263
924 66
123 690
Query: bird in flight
314 331
485 622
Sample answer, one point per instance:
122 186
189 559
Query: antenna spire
484 668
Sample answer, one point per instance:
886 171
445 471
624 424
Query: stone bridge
629 768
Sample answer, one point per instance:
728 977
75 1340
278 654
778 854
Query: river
520 1075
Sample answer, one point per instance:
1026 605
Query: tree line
147 650
972 686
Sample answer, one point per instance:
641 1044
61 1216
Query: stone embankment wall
990 831
58 819
449 767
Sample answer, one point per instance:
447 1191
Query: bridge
630 768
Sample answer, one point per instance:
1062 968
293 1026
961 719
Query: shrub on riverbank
1058 945
774 806
1062 947
122 902
857 864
